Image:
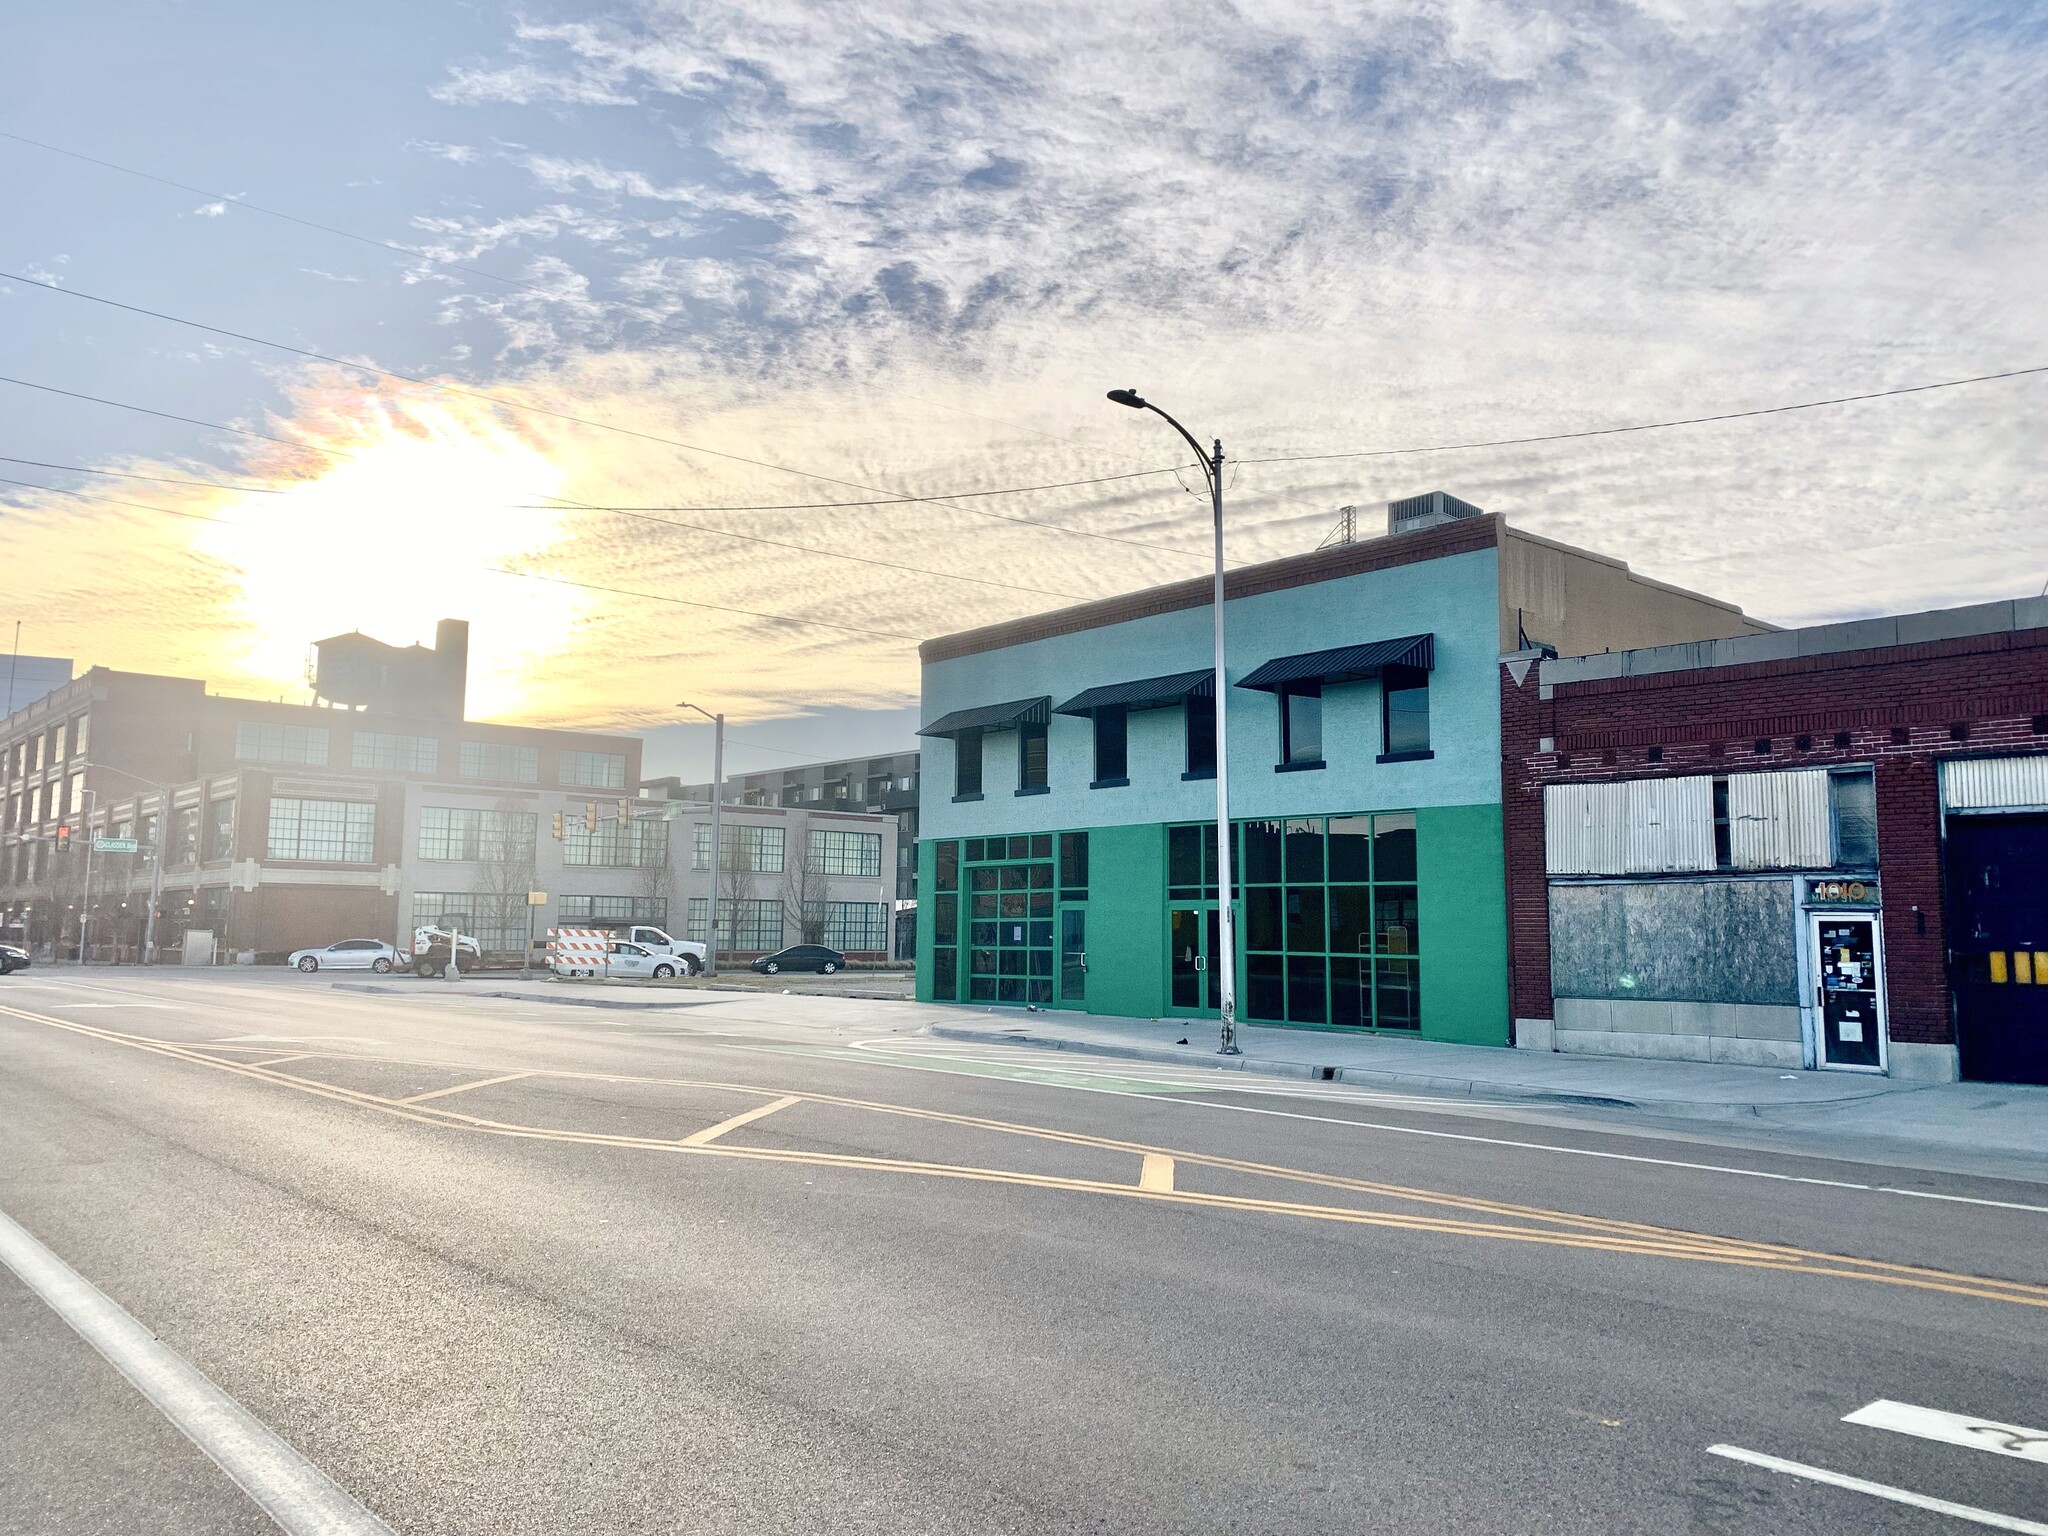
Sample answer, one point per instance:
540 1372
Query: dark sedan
802 957
12 959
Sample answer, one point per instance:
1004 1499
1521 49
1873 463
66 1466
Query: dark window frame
1033 766
1292 757
967 751
1199 727
1398 743
1112 725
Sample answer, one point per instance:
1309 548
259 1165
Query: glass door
1073 956
1194 937
1849 990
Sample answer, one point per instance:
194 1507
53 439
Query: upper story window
1031 756
394 753
1112 746
846 853
220 829
42 750
79 735
463 833
754 849
58 738
322 831
263 742
1404 711
967 763
1201 734
500 760
1301 723
594 770
636 845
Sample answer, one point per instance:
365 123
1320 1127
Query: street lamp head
1128 397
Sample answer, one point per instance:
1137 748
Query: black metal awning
1145 693
1346 664
991 717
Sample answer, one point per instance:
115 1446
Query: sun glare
401 531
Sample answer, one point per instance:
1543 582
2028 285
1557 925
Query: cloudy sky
734 261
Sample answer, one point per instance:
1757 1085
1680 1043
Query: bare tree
803 887
505 867
657 875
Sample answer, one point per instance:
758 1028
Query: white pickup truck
689 954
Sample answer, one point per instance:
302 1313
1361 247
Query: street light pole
164 797
1212 466
717 831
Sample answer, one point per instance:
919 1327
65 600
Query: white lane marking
296 1039
1928 1194
80 1007
1544 1146
1989 1517
1953 1429
285 1485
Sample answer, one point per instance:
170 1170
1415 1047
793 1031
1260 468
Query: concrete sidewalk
2000 1118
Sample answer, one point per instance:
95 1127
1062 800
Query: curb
1307 1071
517 997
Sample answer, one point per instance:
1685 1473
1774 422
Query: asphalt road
763 1264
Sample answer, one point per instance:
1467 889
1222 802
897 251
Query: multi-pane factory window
264 742
460 833
856 925
594 770
500 760
322 831
393 753
846 853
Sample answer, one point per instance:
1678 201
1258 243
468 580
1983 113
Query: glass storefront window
1338 939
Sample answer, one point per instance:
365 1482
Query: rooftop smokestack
451 650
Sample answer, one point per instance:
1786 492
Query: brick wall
1902 708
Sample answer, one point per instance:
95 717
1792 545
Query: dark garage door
1998 943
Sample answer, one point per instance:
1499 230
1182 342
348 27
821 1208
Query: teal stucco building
1068 855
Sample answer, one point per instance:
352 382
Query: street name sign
114 845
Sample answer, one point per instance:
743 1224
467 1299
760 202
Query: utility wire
726 533
190 421
115 474
788 506
234 201
583 421
1654 426
563 581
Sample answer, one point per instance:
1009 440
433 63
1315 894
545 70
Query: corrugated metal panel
1994 783
1670 825
1643 826
1780 820
1582 828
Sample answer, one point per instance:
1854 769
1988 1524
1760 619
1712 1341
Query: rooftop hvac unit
1426 511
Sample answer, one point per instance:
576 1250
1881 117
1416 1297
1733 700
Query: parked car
348 955
636 960
12 959
802 957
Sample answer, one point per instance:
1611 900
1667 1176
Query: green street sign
114 845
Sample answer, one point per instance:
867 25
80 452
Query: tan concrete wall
1583 603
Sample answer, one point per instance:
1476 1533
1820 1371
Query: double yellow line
1155 1173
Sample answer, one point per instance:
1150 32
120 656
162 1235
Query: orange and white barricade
577 951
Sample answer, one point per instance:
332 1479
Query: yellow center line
711 1133
440 1093
1598 1234
1156 1173
273 1061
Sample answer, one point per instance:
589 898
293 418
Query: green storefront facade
1068 850
1382 920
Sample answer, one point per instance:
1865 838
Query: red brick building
1824 847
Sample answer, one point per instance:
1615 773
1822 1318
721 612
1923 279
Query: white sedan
348 955
633 961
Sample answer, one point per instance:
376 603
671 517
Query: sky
743 262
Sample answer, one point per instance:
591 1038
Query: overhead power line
582 421
144 410
116 474
1653 426
234 200
500 570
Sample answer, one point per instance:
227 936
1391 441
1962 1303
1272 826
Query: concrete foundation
1924 1063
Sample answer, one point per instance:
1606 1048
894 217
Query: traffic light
558 826
590 817
63 839
625 813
